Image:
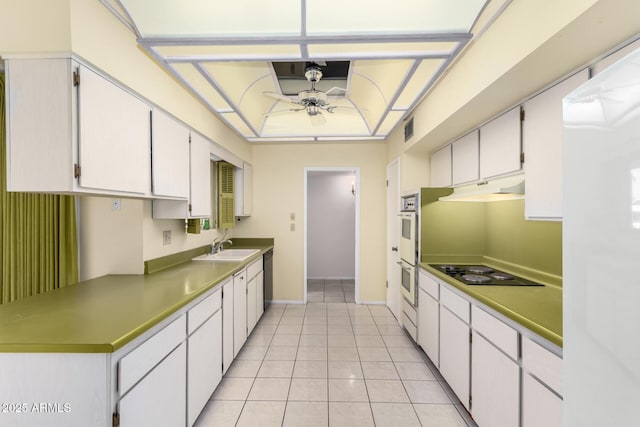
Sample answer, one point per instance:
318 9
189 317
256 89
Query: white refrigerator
601 248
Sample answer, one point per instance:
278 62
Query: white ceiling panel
198 18
398 16
224 53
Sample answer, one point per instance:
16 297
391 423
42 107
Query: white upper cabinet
70 130
243 190
465 159
169 156
500 145
542 140
200 193
441 167
198 204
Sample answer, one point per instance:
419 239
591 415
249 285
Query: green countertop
103 314
539 309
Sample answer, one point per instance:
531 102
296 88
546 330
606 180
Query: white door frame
392 268
356 171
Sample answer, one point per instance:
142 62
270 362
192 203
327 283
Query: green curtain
38 242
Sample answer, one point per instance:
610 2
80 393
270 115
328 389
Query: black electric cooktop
482 275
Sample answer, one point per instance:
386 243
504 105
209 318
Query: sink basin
228 255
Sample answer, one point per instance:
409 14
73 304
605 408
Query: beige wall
278 190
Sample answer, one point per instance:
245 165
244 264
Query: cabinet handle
394 248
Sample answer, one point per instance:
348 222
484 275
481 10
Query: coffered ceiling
224 53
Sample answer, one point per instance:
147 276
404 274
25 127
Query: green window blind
226 214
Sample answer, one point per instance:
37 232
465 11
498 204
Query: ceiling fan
313 101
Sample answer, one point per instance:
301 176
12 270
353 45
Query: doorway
332 200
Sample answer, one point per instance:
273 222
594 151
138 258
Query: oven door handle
403 265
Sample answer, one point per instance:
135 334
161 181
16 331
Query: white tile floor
319 290
331 364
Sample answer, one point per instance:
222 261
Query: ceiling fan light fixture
313 74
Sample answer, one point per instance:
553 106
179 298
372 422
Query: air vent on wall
408 129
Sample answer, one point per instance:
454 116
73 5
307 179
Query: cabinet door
455 354
170 156
243 189
227 325
200 192
260 295
114 138
500 145
441 167
205 365
239 311
465 159
540 406
252 296
495 386
159 399
542 141
429 326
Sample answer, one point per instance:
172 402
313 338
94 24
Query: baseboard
331 278
373 302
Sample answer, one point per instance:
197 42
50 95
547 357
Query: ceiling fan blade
317 120
288 110
282 97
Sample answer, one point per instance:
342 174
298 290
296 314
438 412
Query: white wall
331 232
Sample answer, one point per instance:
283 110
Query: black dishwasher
267 267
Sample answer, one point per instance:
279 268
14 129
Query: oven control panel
409 203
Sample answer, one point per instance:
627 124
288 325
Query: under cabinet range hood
505 188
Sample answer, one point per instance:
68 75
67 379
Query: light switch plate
292 227
292 216
166 237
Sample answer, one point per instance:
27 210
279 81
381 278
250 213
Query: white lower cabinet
501 376
252 306
429 325
159 399
227 325
455 353
204 359
541 386
260 294
495 385
239 310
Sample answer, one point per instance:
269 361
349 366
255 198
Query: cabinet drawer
543 364
428 284
254 269
410 327
409 311
498 333
136 364
456 304
201 312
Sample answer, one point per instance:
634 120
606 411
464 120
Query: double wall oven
409 247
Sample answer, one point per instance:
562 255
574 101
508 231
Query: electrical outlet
115 204
292 227
166 237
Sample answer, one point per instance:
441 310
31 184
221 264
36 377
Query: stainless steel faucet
220 244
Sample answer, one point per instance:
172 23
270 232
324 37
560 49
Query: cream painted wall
110 241
35 26
278 190
152 229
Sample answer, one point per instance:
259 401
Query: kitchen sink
228 255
